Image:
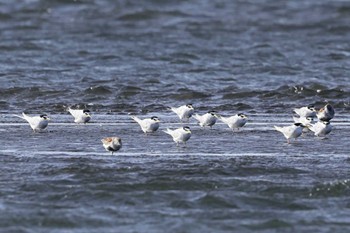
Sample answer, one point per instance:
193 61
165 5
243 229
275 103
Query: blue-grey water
118 58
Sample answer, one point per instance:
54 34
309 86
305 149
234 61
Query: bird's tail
311 127
172 109
24 116
278 128
196 116
135 118
297 111
168 131
223 119
73 112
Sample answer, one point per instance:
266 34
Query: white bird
326 113
321 128
148 125
184 112
112 144
306 121
80 115
292 131
37 123
308 111
208 119
235 122
180 135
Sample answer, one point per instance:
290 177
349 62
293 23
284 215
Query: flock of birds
305 122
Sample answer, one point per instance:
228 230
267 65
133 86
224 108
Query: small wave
337 188
344 10
213 201
98 90
188 94
4 16
71 2
266 50
237 107
270 224
181 62
243 94
314 94
146 14
30 92
336 93
128 91
338 56
3 104
190 56
139 15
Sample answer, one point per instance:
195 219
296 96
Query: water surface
117 58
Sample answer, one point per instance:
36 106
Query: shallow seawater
121 58
249 180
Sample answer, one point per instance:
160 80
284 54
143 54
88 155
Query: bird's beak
48 118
